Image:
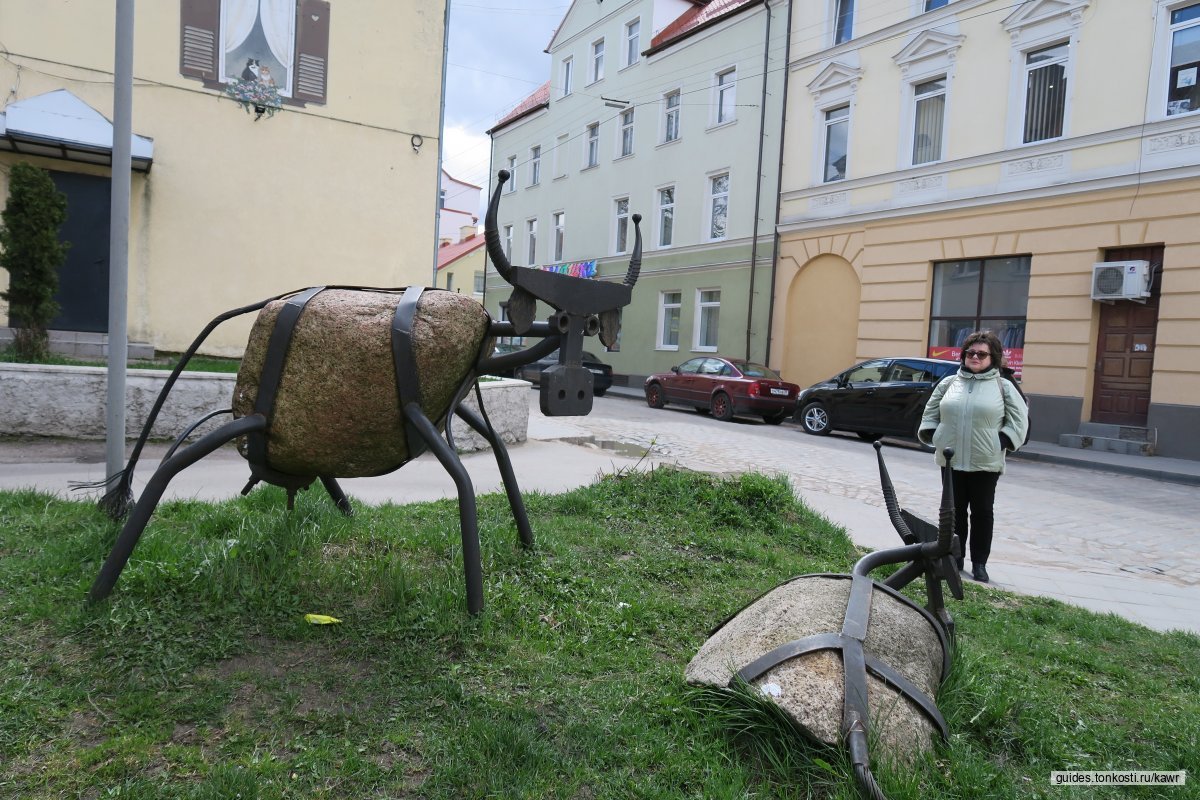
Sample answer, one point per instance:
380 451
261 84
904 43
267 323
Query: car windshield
752 370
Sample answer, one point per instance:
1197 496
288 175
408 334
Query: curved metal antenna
635 260
490 235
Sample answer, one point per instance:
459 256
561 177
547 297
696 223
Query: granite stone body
337 410
809 687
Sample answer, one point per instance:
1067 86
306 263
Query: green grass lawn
199 677
165 361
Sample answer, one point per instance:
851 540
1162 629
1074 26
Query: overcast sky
496 60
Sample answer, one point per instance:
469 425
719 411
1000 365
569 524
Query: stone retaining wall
49 400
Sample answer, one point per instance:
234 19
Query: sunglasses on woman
980 354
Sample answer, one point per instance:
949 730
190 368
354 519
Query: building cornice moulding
926 45
1033 13
802 224
944 17
1171 133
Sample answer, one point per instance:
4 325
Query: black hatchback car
880 397
601 372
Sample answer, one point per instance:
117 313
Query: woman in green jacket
981 415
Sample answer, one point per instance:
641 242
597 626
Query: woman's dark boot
979 572
961 563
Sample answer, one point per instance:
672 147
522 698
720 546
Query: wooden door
1125 348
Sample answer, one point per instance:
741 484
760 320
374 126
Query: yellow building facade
333 179
969 164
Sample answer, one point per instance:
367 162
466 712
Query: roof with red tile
539 99
703 15
452 252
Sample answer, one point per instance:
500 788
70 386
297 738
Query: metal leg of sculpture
467 516
128 538
339 497
515 501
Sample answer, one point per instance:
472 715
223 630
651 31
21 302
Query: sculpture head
584 307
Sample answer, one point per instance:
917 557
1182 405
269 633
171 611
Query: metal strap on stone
408 381
272 371
845 643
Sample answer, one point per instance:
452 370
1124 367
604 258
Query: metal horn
491 236
635 261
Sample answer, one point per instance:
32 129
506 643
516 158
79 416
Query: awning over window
60 125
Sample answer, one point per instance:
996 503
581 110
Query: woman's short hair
993 343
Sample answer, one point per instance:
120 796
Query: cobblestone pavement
1047 515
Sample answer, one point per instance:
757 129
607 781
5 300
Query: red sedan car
724 386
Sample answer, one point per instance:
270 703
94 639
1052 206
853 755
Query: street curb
1102 466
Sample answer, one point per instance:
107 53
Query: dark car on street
724 386
601 372
880 397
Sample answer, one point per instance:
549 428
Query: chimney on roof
467 232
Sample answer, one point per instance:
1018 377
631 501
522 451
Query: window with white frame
671 116
508 236
531 241
627 132
512 172
449 281
560 155
718 206
837 139
668 320
535 165
621 225
1183 85
568 67
930 5
666 216
560 221
597 61
708 315
726 96
929 117
843 21
592 146
633 31
477 287
1045 92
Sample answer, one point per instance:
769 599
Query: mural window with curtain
280 48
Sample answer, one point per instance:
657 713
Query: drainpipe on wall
437 215
762 124
787 72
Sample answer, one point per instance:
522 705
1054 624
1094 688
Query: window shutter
199 28
312 50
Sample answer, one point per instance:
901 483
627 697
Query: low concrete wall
44 400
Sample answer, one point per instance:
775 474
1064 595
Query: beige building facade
959 165
332 179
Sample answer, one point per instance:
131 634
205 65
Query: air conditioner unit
1121 280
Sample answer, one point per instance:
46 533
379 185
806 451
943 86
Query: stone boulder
337 411
809 687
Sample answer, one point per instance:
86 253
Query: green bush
32 254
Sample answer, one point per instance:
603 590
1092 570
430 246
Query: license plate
775 390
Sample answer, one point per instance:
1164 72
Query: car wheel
654 396
720 407
599 392
776 418
870 437
815 419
